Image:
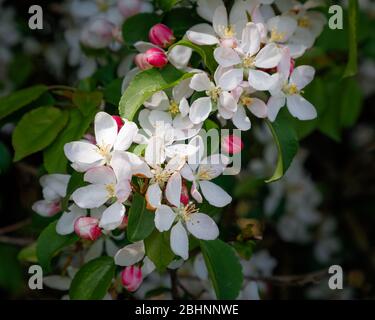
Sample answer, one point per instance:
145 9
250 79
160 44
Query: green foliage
37 129
112 92
136 28
166 5
223 267
206 53
352 66
19 99
5 158
50 243
87 101
180 20
286 142
93 280
141 220
11 277
145 84
158 249
28 254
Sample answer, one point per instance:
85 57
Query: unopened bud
184 194
119 122
156 57
87 228
161 35
141 62
232 144
131 278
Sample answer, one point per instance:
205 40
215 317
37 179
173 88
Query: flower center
111 190
248 61
102 5
290 89
304 22
174 108
277 36
246 101
186 212
214 94
205 173
160 176
105 152
229 31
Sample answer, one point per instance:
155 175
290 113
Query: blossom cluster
161 155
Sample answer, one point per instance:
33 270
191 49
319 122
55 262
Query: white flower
245 100
217 93
54 190
106 184
289 90
65 224
248 57
222 33
85 155
209 168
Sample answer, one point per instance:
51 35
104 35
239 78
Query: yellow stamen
214 93
246 101
111 190
304 22
277 36
248 62
174 108
187 211
291 89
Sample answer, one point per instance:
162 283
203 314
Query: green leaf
5 158
112 92
11 273
180 20
167 5
141 220
93 280
145 84
158 249
53 156
286 141
137 27
37 130
206 53
351 102
223 267
352 65
28 254
50 243
87 101
19 99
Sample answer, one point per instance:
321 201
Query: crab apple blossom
85 155
65 224
156 57
131 278
129 8
87 228
232 144
98 34
161 35
141 62
54 190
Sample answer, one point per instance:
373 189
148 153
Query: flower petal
130 254
202 226
268 57
200 110
226 57
300 108
164 218
179 241
220 20
302 76
173 189
126 136
92 196
153 196
250 39
65 225
100 175
200 82
258 108
274 104
105 129
82 152
214 194
241 120
112 217
261 80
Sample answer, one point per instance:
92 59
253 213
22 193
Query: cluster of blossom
255 72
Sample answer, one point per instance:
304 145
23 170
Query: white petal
179 241
126 136
241 120
83 152
180 149
153 195
202 226
200 110
164 218
187 173
121 166
258 108
138 166
179 56
112 217
220 20
285 26
46 208
250 39
214 194
92 196
184 107
158 100
261 80
57 182
213 166
100 175
123 190
195 193
274 104
105 129
202 39
200 82
95 251
300 108
206 8
130 254
182 91
175 164
57 282
173 189
143 46
65 225
231 79
227 101
302 76
226 57
158 117
268 57
155 151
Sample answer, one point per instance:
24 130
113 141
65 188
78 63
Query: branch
16 241
15 227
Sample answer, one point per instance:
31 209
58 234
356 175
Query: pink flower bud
156 57
119 122
184 194
161 35
232 144
141 63
87 228
98 34
124 223
131 278
129 8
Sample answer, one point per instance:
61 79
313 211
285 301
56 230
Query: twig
16 241
174 283
15 227
27 168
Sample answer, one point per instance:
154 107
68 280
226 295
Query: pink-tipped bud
119 122
161 35
87 228
232 144
131 278
141 62
98 34
156 57
184 194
